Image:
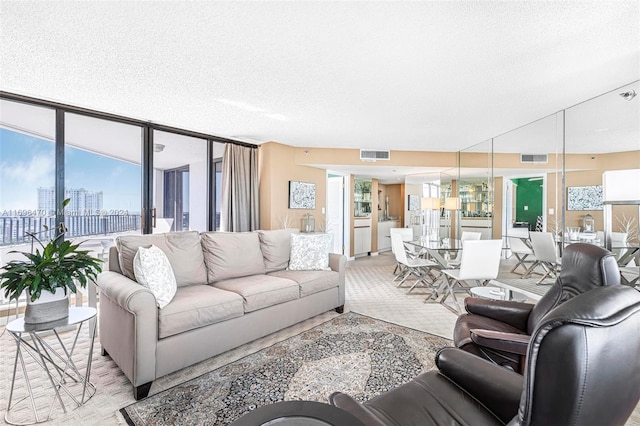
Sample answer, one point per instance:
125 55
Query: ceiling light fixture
627 96
158 147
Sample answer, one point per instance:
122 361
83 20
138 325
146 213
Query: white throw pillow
310 252
153 270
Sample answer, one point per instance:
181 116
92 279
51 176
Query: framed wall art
584 197
302 195
414 202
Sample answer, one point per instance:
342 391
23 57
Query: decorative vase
48 307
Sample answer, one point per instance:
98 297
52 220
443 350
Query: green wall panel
528 193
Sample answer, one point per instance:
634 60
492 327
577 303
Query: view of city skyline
27 164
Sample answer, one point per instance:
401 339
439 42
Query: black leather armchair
499 330
582 368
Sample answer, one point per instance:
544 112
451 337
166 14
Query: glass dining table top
446 244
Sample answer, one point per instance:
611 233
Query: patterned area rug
352 353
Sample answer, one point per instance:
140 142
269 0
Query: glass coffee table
498 293
298 413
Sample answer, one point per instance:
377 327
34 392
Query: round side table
44 345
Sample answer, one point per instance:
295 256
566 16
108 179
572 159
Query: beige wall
598 165
277 168
396 201
320 156
281 163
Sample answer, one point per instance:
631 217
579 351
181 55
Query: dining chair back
544 249
479 263
522 252
398 248
420 268
405 233
468 235
480 260
618 244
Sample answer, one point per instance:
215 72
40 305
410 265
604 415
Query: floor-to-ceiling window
121 175
102 180
27 170
180 171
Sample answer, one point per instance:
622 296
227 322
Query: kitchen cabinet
361 237
362 200
384 238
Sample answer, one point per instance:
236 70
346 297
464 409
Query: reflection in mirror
448 204
475 190
527 184
603 134
429 205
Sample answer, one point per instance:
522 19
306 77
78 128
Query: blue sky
27 162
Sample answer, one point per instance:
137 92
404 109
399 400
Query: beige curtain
240 209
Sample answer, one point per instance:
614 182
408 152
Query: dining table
440 251
445 252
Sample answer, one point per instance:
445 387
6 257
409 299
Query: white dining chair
466 236
618 244
418 267
522 252
630 275
545 251
407 235
479 263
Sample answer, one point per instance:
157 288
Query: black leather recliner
582 368
499 330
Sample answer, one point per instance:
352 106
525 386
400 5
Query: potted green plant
49 275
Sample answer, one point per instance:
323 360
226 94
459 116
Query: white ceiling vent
534 158
371 155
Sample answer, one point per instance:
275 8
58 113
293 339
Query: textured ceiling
382 75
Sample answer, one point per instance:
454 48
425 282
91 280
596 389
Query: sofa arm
128 326
338 263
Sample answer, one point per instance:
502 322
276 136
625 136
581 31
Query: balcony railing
14 229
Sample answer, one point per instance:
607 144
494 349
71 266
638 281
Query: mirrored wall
548 176
475 190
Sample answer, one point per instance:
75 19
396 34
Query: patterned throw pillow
310 252
153 270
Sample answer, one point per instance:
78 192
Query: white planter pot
48 307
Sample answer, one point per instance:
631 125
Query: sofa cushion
197 306
276 247
231 255
153 271
310 252
260 291
182 249
310 281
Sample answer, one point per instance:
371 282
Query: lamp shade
452 203
621 186
430 203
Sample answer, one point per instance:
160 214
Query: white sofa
232 288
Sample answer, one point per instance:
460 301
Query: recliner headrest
586 266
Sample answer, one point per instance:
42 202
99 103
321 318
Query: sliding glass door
180 183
